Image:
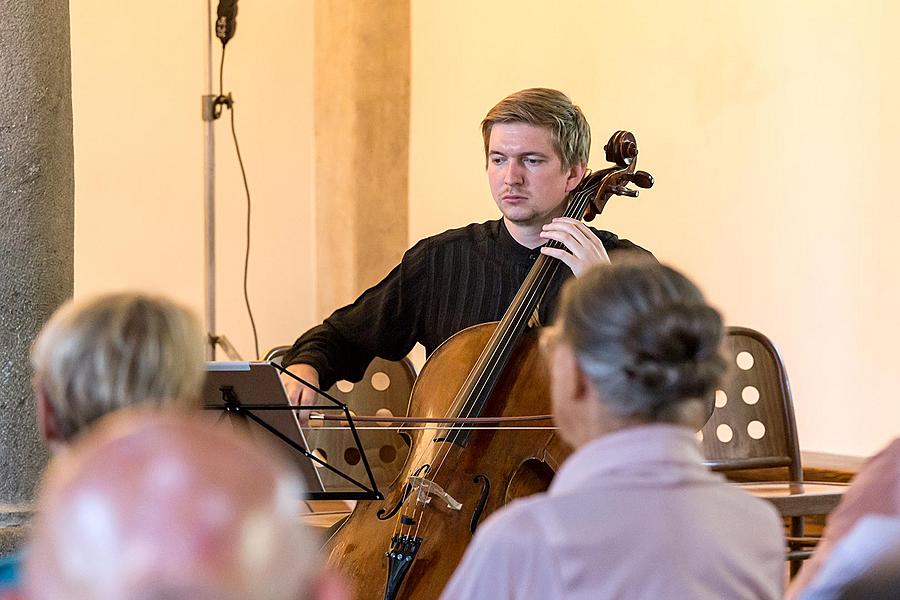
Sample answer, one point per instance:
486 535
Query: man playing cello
536 145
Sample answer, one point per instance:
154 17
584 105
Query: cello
468 463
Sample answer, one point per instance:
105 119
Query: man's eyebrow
526 153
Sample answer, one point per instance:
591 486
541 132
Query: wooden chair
384 390
751 428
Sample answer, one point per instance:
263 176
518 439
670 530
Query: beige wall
771 128
138 75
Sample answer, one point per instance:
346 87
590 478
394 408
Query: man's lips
512 197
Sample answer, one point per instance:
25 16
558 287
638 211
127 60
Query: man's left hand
585 248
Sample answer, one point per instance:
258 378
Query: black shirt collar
510 246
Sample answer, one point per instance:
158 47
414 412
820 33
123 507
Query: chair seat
796 499
324 514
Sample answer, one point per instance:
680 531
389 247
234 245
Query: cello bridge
424 489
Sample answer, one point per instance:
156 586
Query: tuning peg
642 179
621 190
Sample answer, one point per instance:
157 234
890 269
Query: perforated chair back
384 390
752 426
752 423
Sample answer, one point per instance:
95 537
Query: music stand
242 389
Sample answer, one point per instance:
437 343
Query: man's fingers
307 396
583 248
578 231
292 389
566 239
566 257
298 393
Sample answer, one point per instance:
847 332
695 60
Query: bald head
156 506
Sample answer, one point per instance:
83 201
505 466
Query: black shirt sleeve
444 284
383 322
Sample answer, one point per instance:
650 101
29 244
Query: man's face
526 176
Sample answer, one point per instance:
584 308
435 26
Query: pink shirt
875 491
633 514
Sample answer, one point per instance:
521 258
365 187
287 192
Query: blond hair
98 355
550 109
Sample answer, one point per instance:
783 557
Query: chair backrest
752 423
384 390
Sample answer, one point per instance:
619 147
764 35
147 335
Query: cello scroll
621 150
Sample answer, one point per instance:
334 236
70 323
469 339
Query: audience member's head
95 356
639 341
155 505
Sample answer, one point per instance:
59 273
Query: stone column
36 227
362 67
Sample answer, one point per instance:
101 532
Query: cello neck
475 392
589 197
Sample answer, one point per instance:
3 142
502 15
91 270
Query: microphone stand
211 103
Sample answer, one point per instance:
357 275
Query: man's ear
576 174
46 416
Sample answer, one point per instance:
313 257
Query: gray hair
95 356
644 336
550 109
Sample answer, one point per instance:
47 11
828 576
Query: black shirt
444 283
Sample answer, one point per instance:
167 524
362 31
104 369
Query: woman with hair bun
633 512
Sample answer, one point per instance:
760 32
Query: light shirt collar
647 454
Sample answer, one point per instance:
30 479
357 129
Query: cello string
511 324
520 314
442 452
459 399
509 327
517 316
439 428
488 363
405 520
508 330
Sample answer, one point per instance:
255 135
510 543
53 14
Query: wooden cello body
408 545
360 548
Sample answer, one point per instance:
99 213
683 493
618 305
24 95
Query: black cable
222 74
237 148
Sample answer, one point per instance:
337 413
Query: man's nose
514 173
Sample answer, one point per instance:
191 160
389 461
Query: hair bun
675 351
645 337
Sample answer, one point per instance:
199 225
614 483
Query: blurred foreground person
863 528
633 512
97 355
153 506
880 581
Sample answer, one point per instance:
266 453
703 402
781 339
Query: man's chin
522 219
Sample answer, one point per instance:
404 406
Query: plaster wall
772 131
137 79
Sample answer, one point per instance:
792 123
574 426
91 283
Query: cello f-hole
482 501
384 515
